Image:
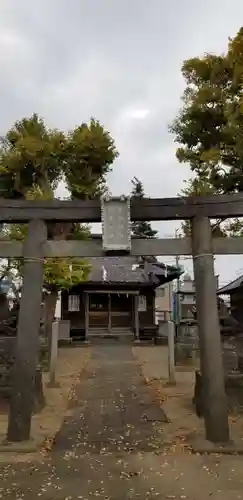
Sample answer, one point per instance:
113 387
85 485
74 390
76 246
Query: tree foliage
209 127
33 155
33 159
197 186
141 229
59 273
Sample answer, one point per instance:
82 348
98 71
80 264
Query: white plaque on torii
116 231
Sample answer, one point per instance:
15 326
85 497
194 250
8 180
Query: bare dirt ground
45 424
177 400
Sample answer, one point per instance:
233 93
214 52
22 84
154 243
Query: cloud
117 61
137 114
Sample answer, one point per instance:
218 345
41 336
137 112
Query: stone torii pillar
136 313
214 394
86 315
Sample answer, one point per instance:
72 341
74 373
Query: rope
202 255
34 259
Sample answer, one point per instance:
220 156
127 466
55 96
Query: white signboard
116 224
142 303
58 307
73 303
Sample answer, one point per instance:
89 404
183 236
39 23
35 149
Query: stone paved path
111 447
113 417
114 410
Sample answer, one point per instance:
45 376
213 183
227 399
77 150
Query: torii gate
116 215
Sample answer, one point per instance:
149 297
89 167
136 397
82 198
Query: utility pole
178 309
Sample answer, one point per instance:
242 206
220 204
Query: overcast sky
119 61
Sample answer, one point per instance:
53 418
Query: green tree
33 159
141 229
197 186
209 127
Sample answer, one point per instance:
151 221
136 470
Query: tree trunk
50 306
56 231
4 306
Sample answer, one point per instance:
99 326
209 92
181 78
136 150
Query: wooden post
136 312
86 315
27 342
171 353
215 400
109 313
54 354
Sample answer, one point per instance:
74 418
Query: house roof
233 285
129 270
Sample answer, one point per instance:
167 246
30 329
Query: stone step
114 333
